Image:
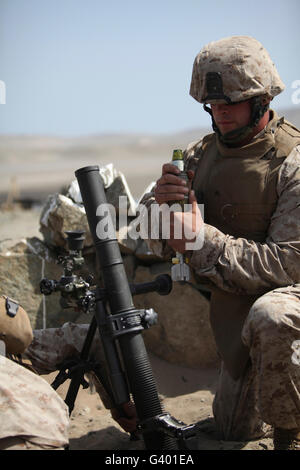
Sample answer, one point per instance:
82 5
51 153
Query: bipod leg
77 377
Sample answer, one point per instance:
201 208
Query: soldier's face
229 117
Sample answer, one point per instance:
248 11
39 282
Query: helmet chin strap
233 138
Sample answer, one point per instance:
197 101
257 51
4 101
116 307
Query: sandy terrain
186 393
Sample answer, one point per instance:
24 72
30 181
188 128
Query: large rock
115 186
61 214
23 263
183 334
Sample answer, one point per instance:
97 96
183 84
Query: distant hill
38 165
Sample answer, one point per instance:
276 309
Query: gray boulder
183 334
23 263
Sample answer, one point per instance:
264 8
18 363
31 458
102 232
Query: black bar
118 294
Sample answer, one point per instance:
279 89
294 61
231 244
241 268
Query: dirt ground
186 394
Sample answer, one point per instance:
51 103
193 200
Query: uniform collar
259 145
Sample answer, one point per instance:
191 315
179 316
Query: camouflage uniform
268 391
260 269
52 346
33 416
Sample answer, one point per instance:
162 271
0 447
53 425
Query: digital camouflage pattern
239 265
52 346
33 416
245 67
242 266
269 391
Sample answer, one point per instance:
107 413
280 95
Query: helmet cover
234 69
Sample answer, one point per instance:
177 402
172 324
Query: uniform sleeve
30 408
52 346
243 266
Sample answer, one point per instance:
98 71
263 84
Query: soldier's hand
127 417
191 224
170 187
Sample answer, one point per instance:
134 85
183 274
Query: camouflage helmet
234 69
15 328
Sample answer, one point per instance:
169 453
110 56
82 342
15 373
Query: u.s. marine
247 175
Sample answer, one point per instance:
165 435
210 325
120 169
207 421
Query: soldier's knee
269 314
265 312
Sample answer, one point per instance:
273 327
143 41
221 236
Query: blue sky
76 67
